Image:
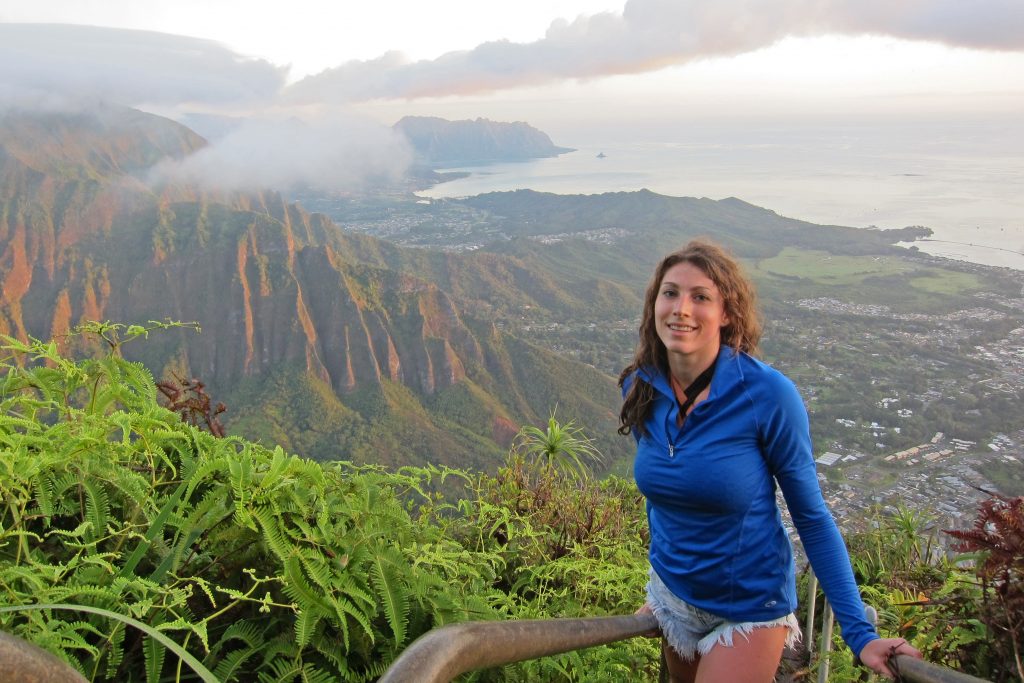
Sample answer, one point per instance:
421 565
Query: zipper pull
671 451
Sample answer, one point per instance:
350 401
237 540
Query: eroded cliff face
82 238
333 344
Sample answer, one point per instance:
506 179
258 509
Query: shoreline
539 175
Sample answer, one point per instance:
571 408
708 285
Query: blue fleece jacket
717 539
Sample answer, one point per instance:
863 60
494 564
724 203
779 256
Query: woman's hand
655 632
875 655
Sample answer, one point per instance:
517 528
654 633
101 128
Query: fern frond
97 507
272 533
154 655
281 671
352 586
300 591
311 675
344 607
230 667
391 591
114 649
305 625
317 567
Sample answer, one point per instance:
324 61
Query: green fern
257 564
385 570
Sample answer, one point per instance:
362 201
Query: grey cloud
651 34
979 24
128 67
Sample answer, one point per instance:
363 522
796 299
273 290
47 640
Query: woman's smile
689 314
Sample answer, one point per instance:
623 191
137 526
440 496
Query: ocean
964 182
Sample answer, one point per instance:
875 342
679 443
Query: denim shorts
692 631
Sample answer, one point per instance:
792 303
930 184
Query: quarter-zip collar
727 374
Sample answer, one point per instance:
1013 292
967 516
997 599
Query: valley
399 330
887 348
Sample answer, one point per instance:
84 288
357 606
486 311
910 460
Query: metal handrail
919 671
22 661
442 654
910 669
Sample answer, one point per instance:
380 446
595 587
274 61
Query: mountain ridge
277 291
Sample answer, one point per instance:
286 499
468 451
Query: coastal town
940 479
909 408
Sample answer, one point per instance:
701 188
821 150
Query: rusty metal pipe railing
919 671
910 670
21 661
442 654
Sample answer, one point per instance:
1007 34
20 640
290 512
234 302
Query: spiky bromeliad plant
559 446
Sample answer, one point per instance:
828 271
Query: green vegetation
561 447
831 269
946 282
263 566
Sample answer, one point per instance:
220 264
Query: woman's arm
785 434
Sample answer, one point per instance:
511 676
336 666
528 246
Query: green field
831 269
941 281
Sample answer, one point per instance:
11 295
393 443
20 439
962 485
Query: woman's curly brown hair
742 333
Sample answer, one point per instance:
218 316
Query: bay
966 183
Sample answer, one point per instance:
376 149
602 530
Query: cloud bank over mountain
145 67
39 61
54 64
331 152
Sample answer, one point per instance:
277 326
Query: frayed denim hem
723 635
691 631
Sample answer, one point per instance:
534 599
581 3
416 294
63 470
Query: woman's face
689 314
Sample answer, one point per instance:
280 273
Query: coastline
974 224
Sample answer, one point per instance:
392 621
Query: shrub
263 566
996 544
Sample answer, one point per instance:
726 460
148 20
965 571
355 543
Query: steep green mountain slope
888 345
340 346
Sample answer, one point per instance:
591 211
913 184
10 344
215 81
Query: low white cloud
335 151
71 68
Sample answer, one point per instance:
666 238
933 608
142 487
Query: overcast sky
246 54
562 65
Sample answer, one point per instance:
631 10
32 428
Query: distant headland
439 141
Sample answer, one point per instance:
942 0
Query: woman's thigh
752 658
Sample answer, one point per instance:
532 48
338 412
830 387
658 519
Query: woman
715 430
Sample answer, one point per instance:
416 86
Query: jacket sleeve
786 440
